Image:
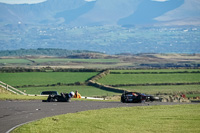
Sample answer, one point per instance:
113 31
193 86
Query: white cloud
21 1
160 0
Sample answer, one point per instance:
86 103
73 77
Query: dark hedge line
155 84
102 74
58 84
92 82
43 51
171 65
14 70
76 70
46 69
104 87
153 72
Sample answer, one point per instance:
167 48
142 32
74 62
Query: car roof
49 91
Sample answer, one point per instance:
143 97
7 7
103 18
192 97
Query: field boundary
155 84
92 82
154 72
57 84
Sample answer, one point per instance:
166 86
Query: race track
13 113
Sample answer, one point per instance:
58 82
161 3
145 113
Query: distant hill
103 12
107 26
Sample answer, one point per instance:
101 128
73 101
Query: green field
113 79
44 78
48 60
14 61
172 89
147 119
36 82
156 70
75 60
83 90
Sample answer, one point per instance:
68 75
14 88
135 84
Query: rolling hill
102 12
107 26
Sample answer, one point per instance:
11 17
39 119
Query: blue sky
160 0
39 1
21 1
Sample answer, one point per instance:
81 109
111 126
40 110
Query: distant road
13 113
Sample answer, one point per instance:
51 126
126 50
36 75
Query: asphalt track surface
14 113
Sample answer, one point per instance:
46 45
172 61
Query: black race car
136 97
63 97
49 93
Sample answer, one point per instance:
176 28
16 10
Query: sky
160 0
21 1
39 1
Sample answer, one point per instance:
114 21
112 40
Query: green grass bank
146 119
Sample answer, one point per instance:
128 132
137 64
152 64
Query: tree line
45 69
42 51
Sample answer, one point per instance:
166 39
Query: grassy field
44 78
172 89
75 60
113 79
50 60
6 95
83 90
156 70
104 61
47 80
14 61
147 119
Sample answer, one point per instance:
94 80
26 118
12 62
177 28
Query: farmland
114 79
83 90
190 90
44 78
155 81
151 81
99 60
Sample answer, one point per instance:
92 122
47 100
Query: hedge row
155 84
100 75
104 87
153 72
92 82
45 69
58 84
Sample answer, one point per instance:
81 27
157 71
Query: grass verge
20 97
6 95
161 119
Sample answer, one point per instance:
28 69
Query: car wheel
51 99
122 100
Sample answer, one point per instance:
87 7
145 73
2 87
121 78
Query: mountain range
103 12
108 26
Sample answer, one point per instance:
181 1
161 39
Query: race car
63 97
136 97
